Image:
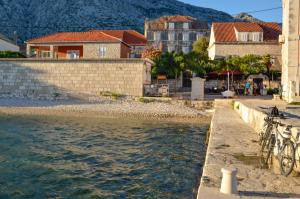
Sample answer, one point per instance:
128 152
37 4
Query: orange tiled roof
225 32
129 37
67 37
248 27
179 18
159 23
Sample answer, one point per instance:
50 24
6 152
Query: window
185 49
102 52
45 54
199 35
171 26
186 37
244 36
157 36
185 26
256 37
171 36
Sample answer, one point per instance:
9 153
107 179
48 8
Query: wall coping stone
122 60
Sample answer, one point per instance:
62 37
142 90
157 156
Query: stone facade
290 51
113 50
64 79
175 33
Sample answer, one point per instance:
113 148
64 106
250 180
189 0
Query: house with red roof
94 44
242 38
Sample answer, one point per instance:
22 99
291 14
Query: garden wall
63 79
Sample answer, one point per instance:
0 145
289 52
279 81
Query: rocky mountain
246 18
32 18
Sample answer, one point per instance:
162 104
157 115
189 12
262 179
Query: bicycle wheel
266 139
265 134
287 158
267 152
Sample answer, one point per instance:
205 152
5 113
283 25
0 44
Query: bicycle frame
280 137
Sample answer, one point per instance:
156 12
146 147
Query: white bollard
229 181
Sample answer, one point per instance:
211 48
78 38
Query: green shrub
114 96
272 91
146 100
9 54
295 103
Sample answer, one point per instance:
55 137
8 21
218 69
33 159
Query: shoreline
156 111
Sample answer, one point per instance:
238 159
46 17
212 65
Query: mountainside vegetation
33 18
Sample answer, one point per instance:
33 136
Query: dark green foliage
9 54
197 61
272 91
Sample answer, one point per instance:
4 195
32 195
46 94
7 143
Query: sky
236 6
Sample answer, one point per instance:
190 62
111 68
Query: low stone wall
251 116
255 119
63 79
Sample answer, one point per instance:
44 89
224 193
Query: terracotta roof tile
129 37
225 32
248 27
179 18
159 23
66 37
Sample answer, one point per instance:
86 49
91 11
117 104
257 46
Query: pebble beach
106 107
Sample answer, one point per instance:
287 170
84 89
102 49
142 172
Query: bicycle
265 133
274 143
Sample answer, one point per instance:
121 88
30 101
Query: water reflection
48 157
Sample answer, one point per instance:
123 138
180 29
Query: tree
200 47
266 61
165 65
197 64
248 64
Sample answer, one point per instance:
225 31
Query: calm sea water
48 157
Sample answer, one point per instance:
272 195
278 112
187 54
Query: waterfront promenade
233 143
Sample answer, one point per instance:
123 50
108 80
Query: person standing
247 87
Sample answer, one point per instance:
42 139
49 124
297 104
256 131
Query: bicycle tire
288 147
266 154
266 140
265 135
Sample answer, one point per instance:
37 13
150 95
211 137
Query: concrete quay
233 144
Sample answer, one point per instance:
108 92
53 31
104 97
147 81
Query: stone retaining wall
255 119
63 79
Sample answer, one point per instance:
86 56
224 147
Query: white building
8 45
290 50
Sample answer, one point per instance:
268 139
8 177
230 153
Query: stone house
8 45
94 44
242 38
175 33
290 50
